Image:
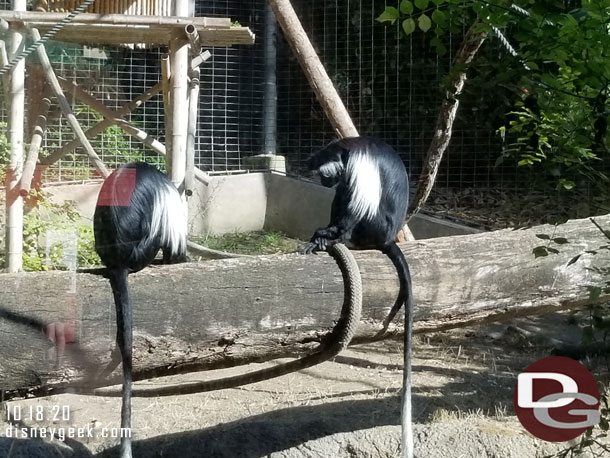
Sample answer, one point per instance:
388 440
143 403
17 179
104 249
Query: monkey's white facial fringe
169 220
331 169
365 185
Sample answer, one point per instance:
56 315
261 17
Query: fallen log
224 313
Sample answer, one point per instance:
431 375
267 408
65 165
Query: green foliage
48 216
552 102
595 330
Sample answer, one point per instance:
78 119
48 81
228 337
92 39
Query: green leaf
438 45
540 251
422 4
406 7
543 236
390 14
552 250
408 25
424 23
438 17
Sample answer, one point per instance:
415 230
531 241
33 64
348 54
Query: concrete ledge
257 201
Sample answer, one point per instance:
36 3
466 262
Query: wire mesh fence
390 83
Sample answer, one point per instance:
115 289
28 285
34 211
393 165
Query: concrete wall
257 201
296 207
233 203
84 196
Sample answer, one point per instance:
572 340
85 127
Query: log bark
230 312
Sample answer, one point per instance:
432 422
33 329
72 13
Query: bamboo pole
65 106
178 51
200 59
191 131
90 100
193 36
314 70
37 137
118 19
179 61
102 125
14 201
166 76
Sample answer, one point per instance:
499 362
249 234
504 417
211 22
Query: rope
50 34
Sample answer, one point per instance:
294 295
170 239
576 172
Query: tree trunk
229 312
444 122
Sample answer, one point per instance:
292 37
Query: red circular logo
556 399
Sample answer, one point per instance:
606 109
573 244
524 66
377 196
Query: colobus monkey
138 212
368 210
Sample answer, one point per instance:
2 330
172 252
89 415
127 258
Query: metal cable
50 34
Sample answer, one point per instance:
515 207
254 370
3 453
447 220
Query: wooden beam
115 29
224 313
108 113
102 125
65 106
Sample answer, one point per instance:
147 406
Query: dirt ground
463 387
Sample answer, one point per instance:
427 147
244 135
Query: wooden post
314 70
14 201
65 106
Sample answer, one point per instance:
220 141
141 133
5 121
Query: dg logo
557 399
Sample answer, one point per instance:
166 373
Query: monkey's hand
317 244
321 240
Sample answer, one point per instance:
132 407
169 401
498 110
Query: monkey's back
375 230
138 212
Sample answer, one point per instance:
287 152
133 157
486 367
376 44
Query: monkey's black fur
138 213
381 166
368 210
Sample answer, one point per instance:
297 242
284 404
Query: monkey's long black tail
122 302
405 296
338 340
404 277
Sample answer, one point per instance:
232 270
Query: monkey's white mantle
229 312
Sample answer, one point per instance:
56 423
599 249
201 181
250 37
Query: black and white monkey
139 212
368 210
